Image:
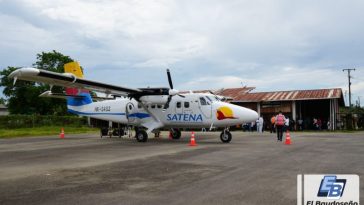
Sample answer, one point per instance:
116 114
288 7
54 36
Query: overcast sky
207 44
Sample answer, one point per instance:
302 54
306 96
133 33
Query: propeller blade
166 106
169 79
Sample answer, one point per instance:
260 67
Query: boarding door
130 112
205 107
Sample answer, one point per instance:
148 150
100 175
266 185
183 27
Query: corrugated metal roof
239 96
234 91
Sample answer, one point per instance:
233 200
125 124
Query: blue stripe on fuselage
136 115
139 115
94 113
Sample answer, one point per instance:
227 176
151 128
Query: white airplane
147 109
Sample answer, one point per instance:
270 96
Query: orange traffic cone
193 141
288 138
62 133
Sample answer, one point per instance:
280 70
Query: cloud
271 45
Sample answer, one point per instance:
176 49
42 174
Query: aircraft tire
176 134
225 136
141 136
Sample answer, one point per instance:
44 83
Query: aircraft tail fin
75 69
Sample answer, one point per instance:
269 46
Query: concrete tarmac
253 169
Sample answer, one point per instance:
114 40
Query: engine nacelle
154 99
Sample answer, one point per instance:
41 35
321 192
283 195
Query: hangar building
321 104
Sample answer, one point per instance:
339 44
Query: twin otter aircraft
148 109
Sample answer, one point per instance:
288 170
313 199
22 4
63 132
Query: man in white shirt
286 124
260 124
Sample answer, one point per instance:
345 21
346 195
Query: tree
2 101
23 96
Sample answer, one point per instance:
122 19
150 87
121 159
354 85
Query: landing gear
141 135
225 136
176 134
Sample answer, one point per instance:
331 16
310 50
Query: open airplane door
131 112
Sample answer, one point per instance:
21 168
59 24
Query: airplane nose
248 115
252 115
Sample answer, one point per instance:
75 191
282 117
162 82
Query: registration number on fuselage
103 109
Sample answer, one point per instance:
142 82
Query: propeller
172 92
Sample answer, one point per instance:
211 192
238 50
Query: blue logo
184 117
331 187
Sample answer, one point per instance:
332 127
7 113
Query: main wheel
176 134
225 136
141 136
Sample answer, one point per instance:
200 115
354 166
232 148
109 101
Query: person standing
260 124
272 124
280 120
300 124
286 124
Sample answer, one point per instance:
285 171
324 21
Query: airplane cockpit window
178 105
187 104
210 99
203 101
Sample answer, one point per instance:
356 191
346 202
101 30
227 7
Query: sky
207 44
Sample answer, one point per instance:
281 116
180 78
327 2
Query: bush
24 121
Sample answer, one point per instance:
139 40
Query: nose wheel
225 136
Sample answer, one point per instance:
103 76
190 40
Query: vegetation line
44 131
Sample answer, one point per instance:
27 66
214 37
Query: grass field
41 131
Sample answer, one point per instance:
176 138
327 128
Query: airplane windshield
209 98
212 98
203 101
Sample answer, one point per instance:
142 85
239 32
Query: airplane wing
70 80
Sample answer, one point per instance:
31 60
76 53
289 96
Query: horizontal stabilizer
49 94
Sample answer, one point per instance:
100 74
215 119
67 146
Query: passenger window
178 104
139 106
203 101
130 107
187 104
159 106
152 106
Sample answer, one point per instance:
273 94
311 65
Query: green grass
42 131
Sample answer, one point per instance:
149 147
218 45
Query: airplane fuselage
195 110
